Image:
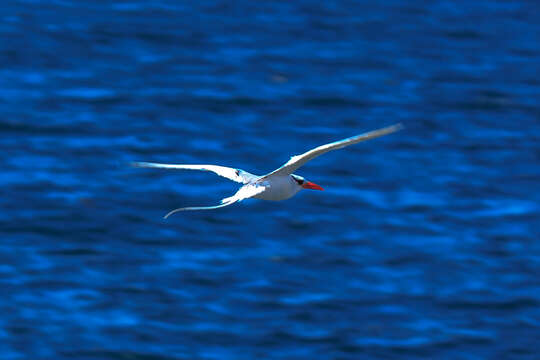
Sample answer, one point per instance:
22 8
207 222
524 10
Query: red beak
312 186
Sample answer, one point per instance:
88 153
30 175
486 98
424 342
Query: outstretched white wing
244 192
233 174
297 161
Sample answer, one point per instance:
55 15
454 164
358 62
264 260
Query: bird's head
304 184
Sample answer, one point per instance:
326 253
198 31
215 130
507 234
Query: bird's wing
244 192
233 174
297 161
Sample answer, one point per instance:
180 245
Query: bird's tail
200 207
244 192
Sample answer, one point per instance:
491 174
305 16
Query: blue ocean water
425 244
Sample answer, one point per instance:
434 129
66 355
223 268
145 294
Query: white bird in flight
278 185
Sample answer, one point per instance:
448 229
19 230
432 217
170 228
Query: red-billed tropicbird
280 184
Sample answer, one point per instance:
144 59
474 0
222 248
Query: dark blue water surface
425 244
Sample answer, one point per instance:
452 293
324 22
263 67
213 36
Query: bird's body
278 185
279 188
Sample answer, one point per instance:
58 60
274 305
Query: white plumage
281 183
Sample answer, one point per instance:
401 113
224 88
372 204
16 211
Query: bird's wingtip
144 164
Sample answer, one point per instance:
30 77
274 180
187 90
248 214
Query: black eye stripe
299 181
